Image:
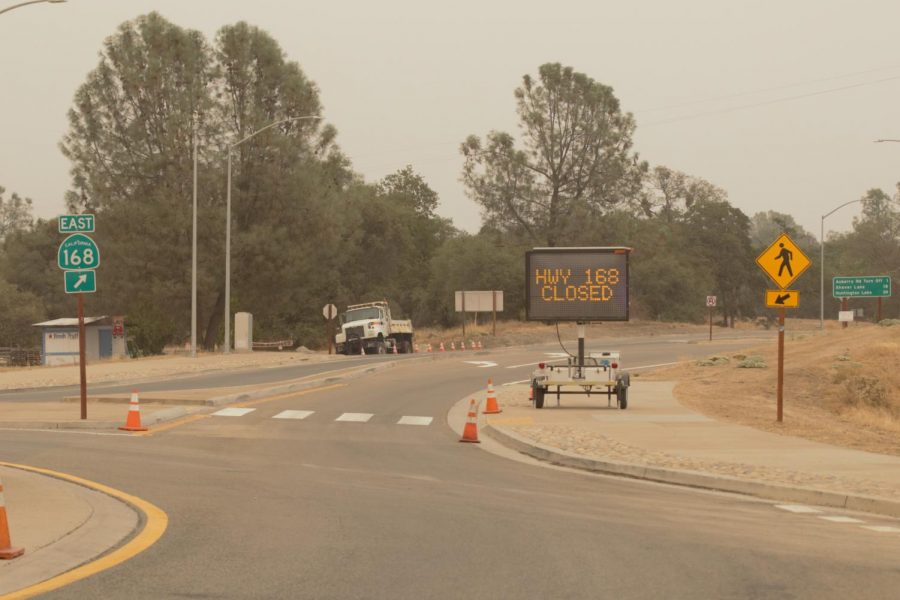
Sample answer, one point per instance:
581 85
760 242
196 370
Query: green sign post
78 256
81 282
861 287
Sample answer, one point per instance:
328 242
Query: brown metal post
844 306
82 358
464 313
781 365
328 333
710 323
878 311
494 312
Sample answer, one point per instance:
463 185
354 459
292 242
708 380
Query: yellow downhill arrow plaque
783 261
783 298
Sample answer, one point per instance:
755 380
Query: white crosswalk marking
842 519
233 412
355 417
293 414
882 528
415 421
797 508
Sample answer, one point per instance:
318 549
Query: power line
770 102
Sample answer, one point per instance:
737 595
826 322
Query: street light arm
269 126
841 206
21 4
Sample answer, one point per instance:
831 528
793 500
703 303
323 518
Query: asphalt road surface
264 507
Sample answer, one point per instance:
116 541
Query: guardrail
20 357
276 345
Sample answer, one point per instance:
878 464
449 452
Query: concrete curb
300 385
695 479
176 412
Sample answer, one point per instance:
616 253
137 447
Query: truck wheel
380 347
539 397
405 347
622 397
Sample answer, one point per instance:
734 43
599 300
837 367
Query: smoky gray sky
777 102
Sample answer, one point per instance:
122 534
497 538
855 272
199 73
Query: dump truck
369 329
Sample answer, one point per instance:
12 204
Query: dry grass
517 333
841 387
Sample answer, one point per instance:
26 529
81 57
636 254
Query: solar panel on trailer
577 284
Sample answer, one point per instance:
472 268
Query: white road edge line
625 368
128 435
517 382
882 528
842 519
798 508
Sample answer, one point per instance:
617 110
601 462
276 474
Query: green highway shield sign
81 282
78 251
76 223
861 287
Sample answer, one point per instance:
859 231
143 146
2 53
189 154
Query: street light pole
9 8
194 257
227 349
822 261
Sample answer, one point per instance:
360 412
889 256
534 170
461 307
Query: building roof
68 322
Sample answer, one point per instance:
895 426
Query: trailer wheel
622 396
539 397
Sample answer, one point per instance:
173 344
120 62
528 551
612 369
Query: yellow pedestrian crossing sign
782 298
783 261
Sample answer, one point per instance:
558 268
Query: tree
576 155
408 186
15 214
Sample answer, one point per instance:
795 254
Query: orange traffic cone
491 408
479 345
362 351
6 549
531 395
442 347
462 345
470 432
429 347
453 345
416 349
395 349
133 421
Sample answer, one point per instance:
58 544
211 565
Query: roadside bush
752 362
862 390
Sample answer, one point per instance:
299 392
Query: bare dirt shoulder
841 386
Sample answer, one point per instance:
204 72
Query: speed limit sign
711 301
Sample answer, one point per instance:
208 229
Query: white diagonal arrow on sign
481 364
81 279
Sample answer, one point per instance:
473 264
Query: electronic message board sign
576 284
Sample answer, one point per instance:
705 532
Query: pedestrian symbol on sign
785 255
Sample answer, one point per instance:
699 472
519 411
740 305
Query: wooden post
844 306
710 323
82 358
781 364
878 311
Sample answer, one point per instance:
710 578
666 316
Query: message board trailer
577 284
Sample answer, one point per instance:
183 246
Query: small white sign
329 311
479 301
845 316
711 301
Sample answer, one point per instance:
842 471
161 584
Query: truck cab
370 329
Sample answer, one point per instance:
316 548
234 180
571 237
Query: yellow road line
155 525
172 424
289 395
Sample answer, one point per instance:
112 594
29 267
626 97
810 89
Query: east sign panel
576 284
861 287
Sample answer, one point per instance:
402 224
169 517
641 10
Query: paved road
261 507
